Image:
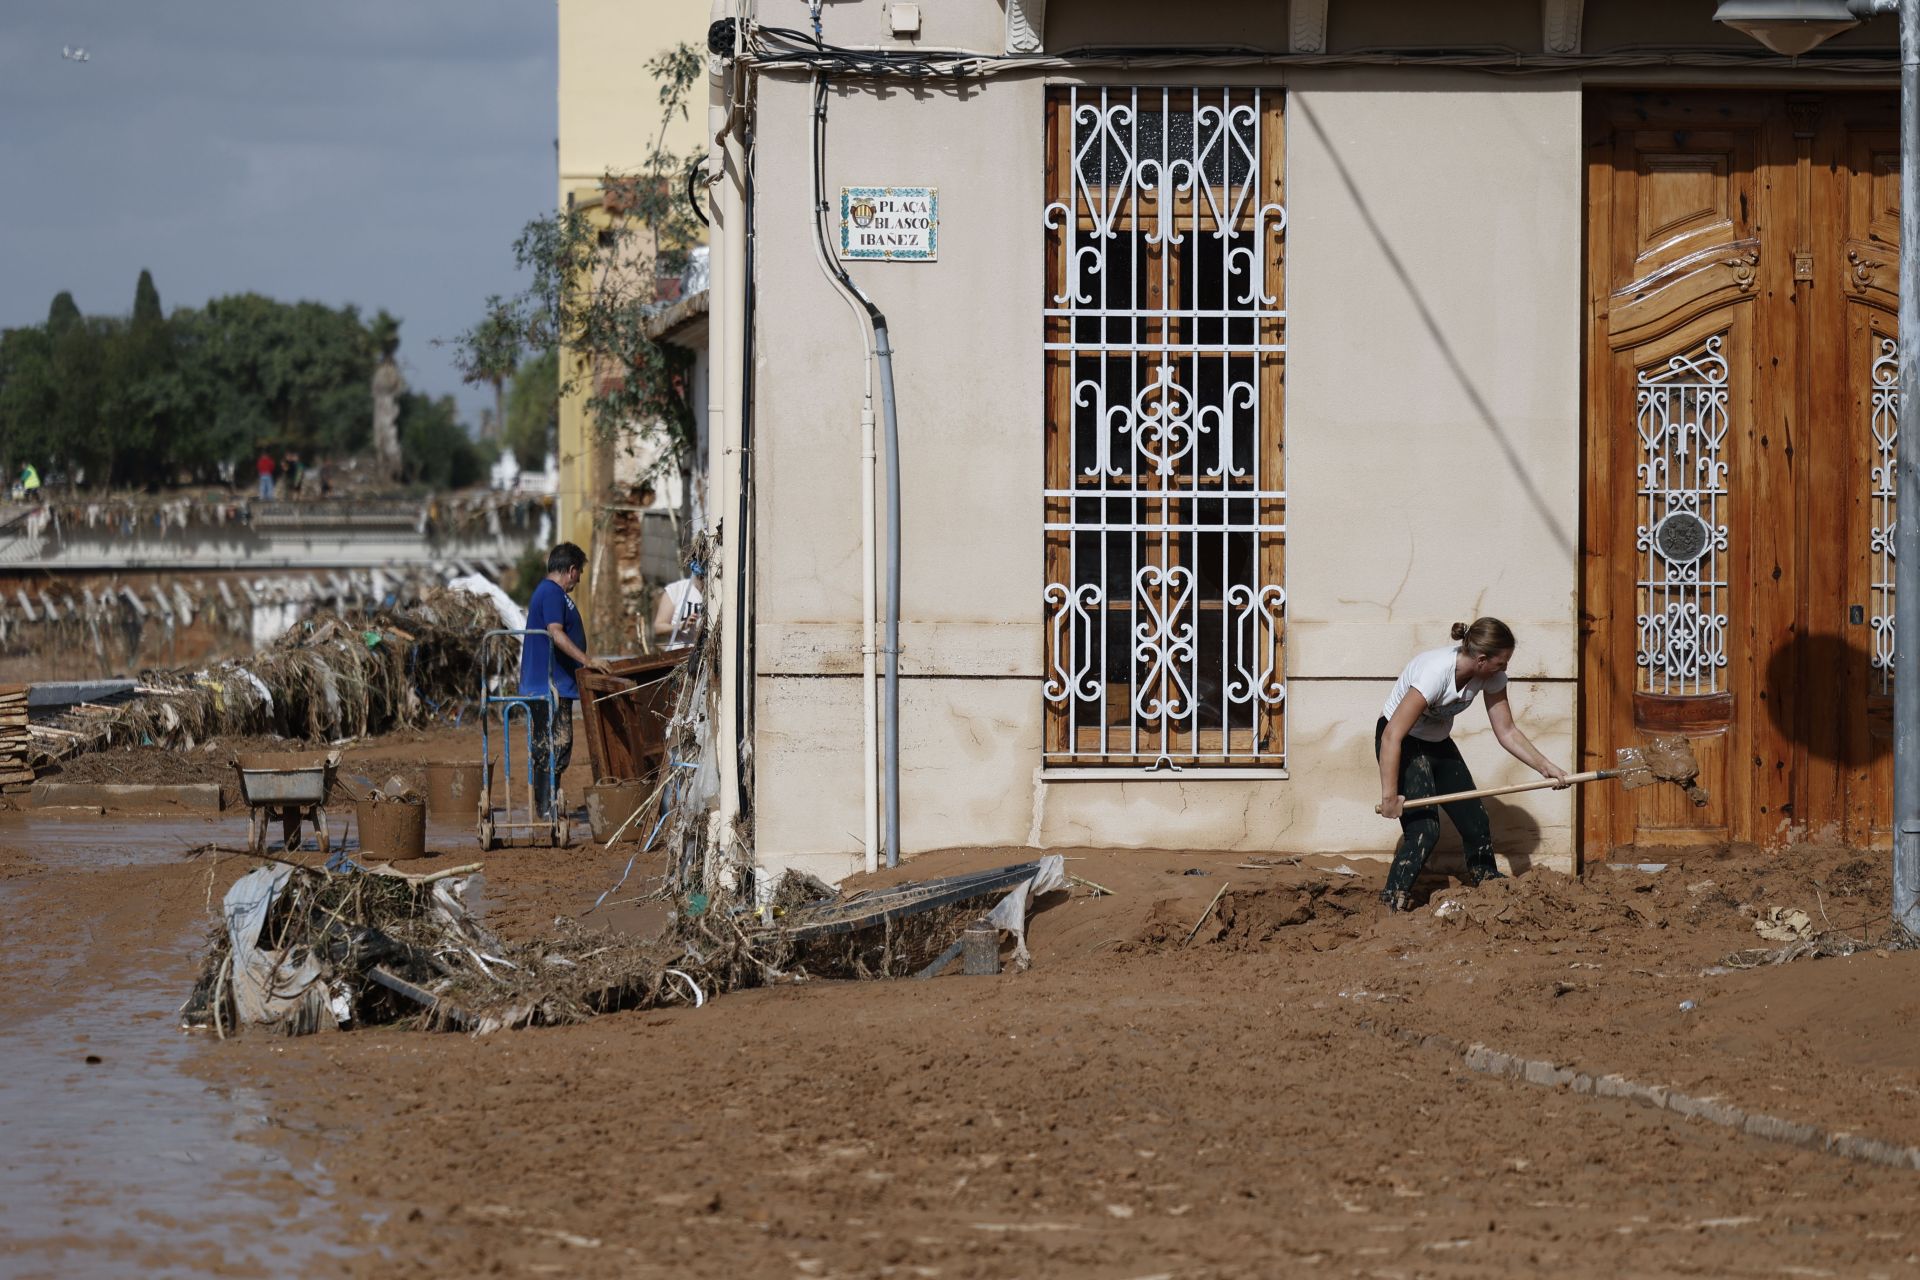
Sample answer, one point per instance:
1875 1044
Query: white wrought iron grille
1885 402
1682 540
1166 512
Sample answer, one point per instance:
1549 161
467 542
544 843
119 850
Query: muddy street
1293 1090
125 1157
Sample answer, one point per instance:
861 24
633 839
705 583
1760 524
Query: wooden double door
1742 276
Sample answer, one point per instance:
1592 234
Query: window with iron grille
1165 335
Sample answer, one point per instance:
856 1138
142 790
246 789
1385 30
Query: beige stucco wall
1432 454
608 120
609 107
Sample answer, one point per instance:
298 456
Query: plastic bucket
392 828
611 803
453 791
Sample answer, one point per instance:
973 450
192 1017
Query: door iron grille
1165 505
1885 423
1682 538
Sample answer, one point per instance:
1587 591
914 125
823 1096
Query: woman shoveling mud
1414 744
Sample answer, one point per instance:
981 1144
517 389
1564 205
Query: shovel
1665 759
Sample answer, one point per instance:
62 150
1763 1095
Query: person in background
676 613
554 648
29 480
291 473
264 466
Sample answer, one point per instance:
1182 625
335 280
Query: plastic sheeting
1011 912
270 988
512 616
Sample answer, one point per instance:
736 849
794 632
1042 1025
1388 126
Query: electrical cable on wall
783 48
693 198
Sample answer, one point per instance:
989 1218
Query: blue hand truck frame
501 825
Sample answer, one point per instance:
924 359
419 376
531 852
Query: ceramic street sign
894 224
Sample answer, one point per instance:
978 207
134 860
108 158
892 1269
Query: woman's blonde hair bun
1484 637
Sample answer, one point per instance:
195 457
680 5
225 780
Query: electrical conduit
869 562
883 354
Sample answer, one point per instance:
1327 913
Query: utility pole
1906 605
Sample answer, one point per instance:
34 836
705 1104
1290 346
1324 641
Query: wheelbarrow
290 786
509 812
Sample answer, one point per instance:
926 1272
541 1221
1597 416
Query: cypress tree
63 315
146 302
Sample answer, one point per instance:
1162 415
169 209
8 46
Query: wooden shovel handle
1449 798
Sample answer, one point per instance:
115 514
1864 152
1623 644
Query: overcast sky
377 152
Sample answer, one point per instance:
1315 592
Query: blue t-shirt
550 603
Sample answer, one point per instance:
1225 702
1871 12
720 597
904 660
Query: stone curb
128 797
1712 1110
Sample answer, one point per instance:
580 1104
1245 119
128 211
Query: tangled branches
332 677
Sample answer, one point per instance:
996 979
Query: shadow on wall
1516 840
1516 833
1804 664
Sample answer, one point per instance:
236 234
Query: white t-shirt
1432 674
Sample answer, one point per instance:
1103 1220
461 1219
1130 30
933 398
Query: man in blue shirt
554 649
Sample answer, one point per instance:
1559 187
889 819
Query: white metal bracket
1307 26
1560 25
1026 25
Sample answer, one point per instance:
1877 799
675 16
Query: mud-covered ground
362 765
1253 1103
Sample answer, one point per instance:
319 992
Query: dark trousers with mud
552 740
1432 769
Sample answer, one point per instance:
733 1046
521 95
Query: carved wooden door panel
1730 519
1684 253
1848 630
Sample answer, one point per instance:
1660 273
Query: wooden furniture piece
625 708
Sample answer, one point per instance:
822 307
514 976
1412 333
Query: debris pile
1801 938
16 767
301 949
332 677
396 790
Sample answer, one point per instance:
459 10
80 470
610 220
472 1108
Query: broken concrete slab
128 797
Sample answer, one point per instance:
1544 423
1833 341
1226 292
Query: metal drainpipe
727 294
883 354
883 351
1906 605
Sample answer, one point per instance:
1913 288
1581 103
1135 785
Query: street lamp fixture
1788 27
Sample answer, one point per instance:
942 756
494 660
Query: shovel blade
1631 765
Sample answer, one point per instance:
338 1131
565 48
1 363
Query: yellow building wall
609 120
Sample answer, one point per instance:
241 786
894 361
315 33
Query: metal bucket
392 828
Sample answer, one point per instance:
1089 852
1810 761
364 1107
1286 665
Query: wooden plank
1270 727
1601 823
1059 421
1835 562
1769 509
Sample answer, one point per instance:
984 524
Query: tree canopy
533 409
594 284
147 398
